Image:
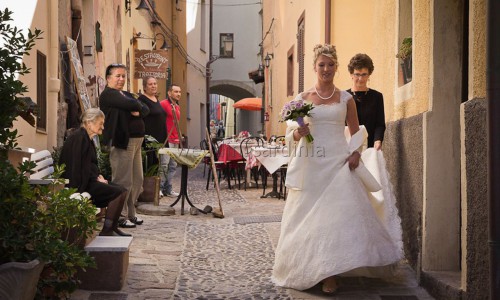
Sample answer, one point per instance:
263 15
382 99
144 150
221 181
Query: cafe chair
245 148
224 170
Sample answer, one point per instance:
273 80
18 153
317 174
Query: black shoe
126 224
121 233
136 221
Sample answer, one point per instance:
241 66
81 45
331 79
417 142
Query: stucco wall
413 98
403 143
30 136
477 49
475 256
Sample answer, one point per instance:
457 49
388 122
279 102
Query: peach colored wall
281 38
30 137
368 27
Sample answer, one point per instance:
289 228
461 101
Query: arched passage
237 90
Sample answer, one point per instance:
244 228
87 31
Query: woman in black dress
79 155
369 102
156 120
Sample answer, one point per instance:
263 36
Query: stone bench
111 254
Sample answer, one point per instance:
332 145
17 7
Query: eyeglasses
363 75
358 75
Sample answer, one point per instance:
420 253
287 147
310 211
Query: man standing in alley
173 111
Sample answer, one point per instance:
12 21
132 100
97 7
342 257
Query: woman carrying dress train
369 102
329 226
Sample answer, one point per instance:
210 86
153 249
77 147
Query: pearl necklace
317 93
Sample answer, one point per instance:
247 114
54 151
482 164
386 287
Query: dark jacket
118 107
79 155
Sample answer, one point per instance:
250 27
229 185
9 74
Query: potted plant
151 183
405 54
36 220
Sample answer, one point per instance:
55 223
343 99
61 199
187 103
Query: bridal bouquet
296 110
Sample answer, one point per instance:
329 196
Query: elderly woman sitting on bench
80 157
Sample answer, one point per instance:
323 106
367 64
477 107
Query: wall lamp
164 46
127 7
260 70
268 58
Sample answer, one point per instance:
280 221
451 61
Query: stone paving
202 257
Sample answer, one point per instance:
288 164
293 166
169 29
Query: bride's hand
353 160
301 131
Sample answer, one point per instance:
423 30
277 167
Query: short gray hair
91 114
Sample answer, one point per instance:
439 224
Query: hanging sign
151 63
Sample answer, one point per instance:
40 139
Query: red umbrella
249 104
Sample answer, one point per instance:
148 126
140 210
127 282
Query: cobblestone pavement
202 257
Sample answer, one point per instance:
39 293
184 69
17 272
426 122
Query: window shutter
300 53
41 91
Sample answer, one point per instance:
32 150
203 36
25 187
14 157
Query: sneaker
126 224
161 194
172 194
136 221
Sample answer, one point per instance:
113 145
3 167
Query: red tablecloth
228 154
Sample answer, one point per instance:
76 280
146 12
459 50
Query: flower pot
151 190
19 280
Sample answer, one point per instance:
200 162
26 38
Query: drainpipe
209 62
54 84
493 96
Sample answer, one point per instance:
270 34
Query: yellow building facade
435 120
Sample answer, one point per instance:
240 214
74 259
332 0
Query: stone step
111 254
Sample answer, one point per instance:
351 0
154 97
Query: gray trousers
167 171
126 170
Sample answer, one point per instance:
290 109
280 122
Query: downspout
209 62
493 96
54 84
328 20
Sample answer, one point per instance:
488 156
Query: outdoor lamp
260 70
268 59
127 7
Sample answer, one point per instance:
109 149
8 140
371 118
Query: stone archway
237 90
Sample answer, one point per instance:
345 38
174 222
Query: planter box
18 280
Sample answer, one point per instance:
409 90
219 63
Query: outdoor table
272 158
188 159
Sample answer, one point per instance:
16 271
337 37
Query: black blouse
370 108
156 120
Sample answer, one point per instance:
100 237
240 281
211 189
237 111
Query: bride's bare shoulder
306 95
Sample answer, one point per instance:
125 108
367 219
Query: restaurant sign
151 63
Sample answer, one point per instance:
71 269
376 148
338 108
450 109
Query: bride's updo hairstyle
326 50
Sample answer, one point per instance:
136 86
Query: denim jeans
167 171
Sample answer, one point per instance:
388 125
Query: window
405 42
41 91
226 45
98 37
203 21
300 51
289 72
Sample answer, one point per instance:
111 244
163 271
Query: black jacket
117 108
79 155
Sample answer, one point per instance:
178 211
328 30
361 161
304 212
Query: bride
330 225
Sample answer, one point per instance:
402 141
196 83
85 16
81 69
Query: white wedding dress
331 224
